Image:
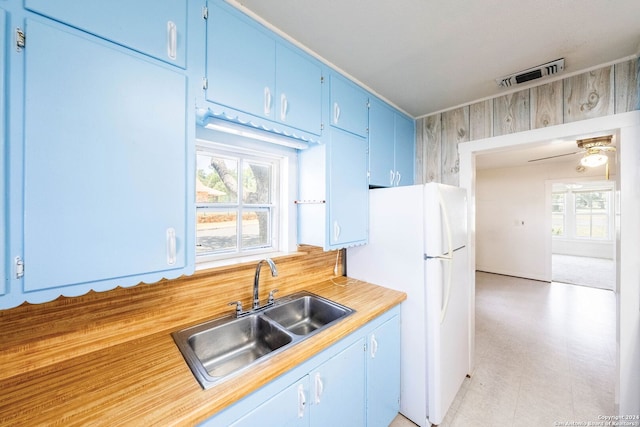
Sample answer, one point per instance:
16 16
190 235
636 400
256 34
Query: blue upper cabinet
348 191
381 144
3 147
333 211
105 166
155 28
348 106
405 143
249 70
391 146
299 91
240 64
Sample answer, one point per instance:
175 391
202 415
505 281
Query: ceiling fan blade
553 157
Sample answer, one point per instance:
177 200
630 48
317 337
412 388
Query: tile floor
544 355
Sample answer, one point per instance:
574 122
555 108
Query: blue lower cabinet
383 389
105 167
335 401
288 408
348 384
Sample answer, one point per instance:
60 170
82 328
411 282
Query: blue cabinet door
337 389
404 150
157 28
348 190
299 91
3 147
105 193
240 64
381 144
383 373
348 106
288 408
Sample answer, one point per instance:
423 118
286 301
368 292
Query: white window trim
286 236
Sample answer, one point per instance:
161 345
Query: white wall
513 229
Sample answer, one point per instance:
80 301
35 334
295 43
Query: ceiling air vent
544 70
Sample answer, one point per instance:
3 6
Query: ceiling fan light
593 160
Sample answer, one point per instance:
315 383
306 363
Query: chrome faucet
256 282
256 299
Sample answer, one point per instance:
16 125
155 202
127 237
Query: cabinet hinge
19 263
205 83
368 104
321 126
21 39
364 346
321 79
205 12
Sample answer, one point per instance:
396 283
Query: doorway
583 233
626 128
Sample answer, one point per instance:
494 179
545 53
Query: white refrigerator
418 244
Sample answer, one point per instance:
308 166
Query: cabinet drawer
157 28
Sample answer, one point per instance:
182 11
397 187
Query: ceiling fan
593 149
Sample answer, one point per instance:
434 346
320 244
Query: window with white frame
237 202
583 213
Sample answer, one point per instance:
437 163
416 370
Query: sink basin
306 314
216 349
230 346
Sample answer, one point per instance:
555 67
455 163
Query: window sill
245 260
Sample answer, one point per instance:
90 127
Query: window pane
256 183
216 179
600 226
583 225
256 229
557 224
557 202
592 214
216 231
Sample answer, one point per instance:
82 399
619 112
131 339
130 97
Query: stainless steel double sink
216 349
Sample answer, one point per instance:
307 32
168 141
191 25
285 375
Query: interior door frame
626 129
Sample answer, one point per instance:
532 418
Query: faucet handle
238 305
271 298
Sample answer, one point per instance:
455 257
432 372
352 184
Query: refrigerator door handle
448 257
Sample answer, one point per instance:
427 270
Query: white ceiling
426 56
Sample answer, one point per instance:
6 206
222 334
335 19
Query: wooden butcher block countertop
145 381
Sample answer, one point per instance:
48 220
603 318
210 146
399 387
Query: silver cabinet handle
302 401
267 101
319 388
373 346
284 106
171 246
172 40
336 113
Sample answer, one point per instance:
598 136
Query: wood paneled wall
609 90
